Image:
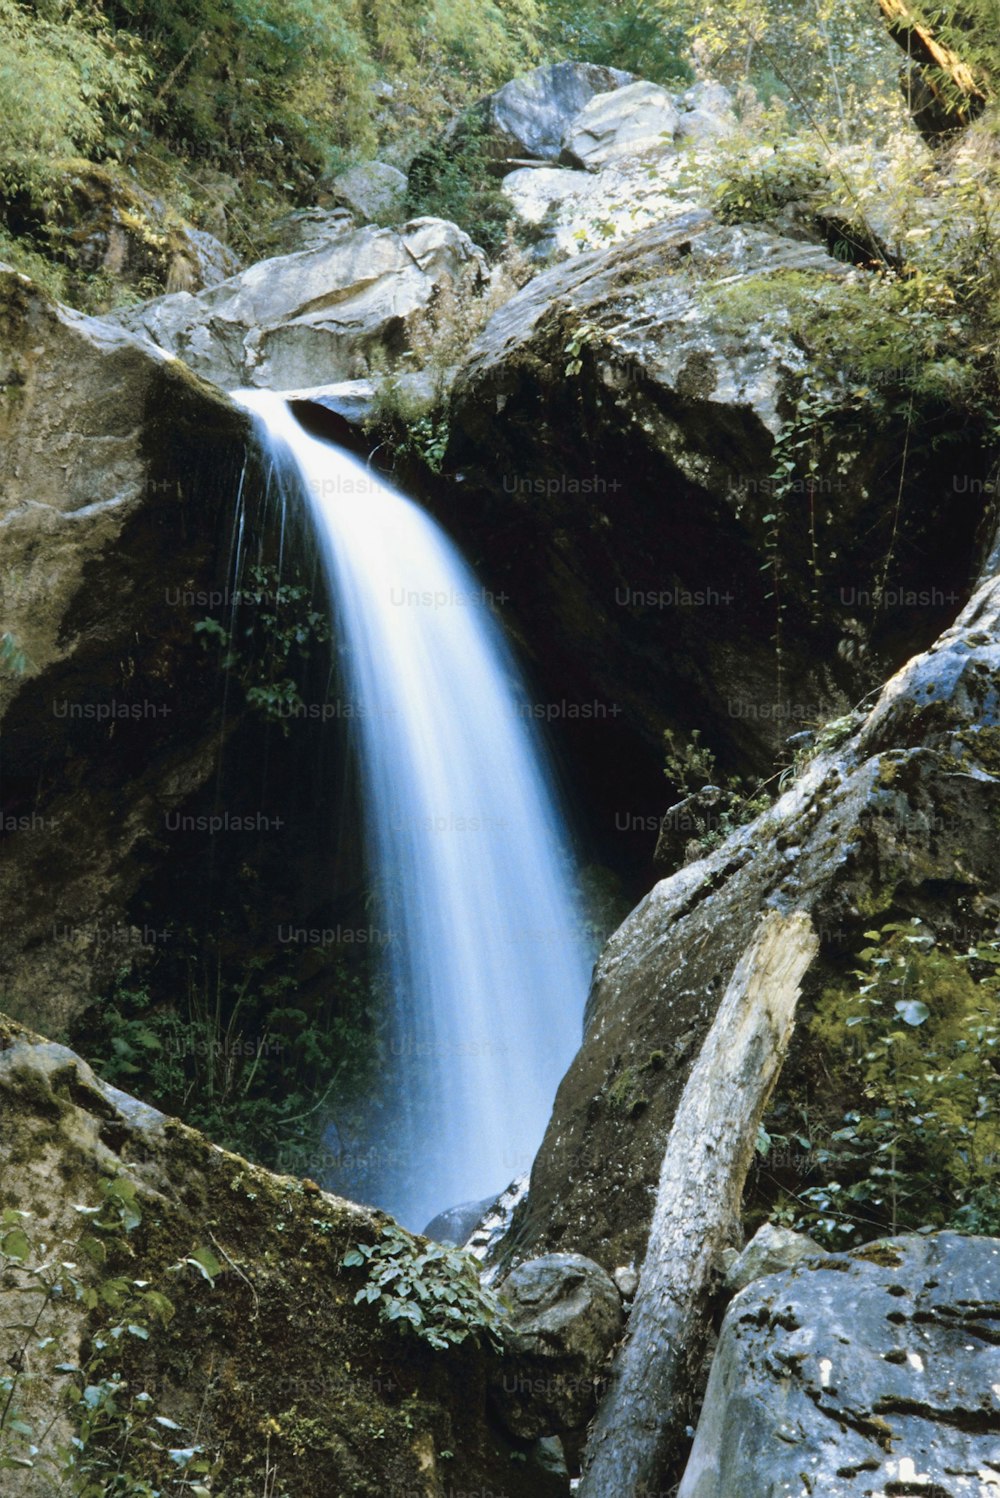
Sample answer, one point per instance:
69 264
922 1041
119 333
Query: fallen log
637 1429
948 96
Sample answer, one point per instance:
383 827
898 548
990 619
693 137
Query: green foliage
646 37
909 1134
251 1062
269 641
269 85
971 29
583 336
433 1290
68 87
830 63
754 185
691 767
120 1446
455 180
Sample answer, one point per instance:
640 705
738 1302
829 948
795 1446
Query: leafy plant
433 1290
909 1136
640 36
732 802
455 179
254 1064
120 1446
274 635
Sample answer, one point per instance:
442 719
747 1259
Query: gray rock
200 261
529 116
870 1373
318 316
771 1249
352 400
701 127
114 490
631 121
626 1277
548 1456
373 191
663 371
307 229
453 1226
710 96
566 1316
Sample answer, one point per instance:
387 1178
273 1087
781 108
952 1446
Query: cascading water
483 944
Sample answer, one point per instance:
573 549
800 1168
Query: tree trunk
942 91
709 1151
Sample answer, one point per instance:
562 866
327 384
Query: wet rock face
117 473
897 821
872 1373
319 315
274 1360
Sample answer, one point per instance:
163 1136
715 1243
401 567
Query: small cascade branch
709 1152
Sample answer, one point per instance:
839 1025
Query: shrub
901 1126
433 1290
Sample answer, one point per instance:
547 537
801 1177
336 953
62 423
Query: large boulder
631 121
530 115
873 1373
613 436
239 1330
118 470
321 315
894 818
566 1317
374 191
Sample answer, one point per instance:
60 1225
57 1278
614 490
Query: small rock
771 1250
627 1279
489 1231
453 1226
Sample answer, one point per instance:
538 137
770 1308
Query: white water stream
485 953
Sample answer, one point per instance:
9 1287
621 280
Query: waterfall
483 947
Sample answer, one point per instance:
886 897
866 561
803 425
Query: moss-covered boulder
205 1328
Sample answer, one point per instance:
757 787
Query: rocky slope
262 1360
